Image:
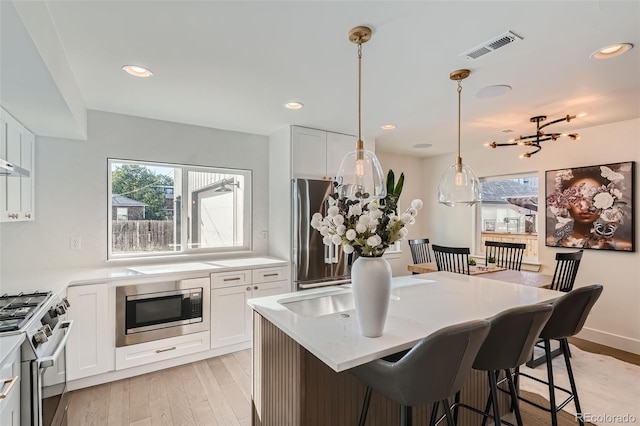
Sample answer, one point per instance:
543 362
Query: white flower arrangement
366 229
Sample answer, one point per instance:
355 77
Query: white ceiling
231 65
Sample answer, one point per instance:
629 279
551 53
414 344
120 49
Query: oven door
51 380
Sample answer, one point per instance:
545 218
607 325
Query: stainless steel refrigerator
314 264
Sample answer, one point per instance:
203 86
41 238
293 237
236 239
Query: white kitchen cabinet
309 148
16 192
10 389
231 319
160 350
317 153
90 348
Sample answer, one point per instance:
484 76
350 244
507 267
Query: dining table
528 278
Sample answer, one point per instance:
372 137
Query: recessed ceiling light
611 51
422 145
137 71
293 105
493 91
388 127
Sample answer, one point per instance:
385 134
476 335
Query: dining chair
452 259
435 368
564 277
569 315
420 252
566 270
507 255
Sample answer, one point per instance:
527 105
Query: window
508 212
160 209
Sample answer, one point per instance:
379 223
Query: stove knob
61 309
40 337
46 329
53 313
66 302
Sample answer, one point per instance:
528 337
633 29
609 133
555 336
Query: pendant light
459 185
360 174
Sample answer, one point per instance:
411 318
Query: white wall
412 189
615 319
71 185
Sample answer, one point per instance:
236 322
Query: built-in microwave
156 311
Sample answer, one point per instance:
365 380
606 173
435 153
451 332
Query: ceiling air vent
491 45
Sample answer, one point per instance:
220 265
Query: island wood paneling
292 387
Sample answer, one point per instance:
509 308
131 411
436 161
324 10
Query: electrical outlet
264 235
75 243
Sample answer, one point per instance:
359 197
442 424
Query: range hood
9 169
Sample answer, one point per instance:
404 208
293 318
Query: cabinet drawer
10 380
229 279
159 350
266 275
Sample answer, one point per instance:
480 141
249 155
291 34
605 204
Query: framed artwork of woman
591 207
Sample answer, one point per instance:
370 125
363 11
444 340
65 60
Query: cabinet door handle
255 287
231 279
271 275
248 288
13 215
11 382
172 348
28 215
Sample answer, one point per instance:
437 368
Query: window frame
478 225
181 189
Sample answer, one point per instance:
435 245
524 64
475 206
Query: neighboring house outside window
124 208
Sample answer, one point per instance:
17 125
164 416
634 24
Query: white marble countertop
57 280
7 345
420 305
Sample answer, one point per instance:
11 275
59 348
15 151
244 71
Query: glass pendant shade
459 186
360 174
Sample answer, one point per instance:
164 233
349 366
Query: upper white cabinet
16 191
318 154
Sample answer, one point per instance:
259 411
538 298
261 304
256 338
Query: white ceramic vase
371 283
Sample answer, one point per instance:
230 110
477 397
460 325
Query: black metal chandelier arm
530 153
567 118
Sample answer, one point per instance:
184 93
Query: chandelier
534 140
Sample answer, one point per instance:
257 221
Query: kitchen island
304 343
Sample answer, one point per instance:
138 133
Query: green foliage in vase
365 227
472 262
491 259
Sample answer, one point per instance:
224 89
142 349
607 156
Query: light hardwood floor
216 391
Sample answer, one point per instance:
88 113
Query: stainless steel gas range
42 317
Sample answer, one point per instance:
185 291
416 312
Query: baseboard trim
609 339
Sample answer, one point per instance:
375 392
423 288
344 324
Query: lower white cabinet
231 319
160 350
10 390
91 344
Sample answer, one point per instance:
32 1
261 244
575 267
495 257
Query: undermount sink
321 305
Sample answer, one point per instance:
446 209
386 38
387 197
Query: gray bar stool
428 373
569 314
508 345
